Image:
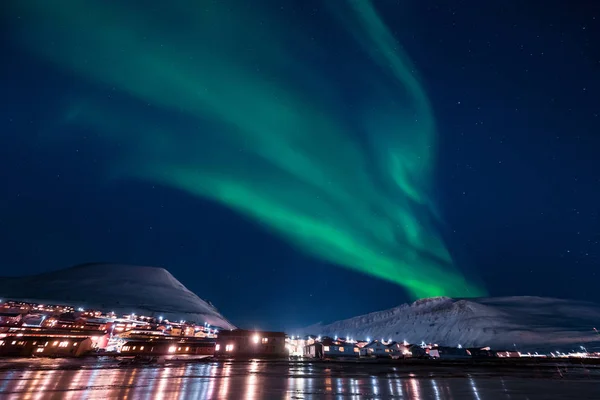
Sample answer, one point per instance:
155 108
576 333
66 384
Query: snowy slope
115 287
527 322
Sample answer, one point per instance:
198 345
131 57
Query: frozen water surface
60 379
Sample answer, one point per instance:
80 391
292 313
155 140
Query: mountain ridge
115 287
518 321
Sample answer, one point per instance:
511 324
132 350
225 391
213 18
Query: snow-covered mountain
115 287
507 322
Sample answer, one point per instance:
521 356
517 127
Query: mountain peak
116 287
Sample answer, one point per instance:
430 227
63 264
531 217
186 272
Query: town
47 330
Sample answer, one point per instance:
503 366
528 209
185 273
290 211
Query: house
44 346
417 351
331 348
506 353
244 343
376 349
449 353
399 350
34 319
98 338
165 346
10 318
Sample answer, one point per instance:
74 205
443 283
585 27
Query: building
331 348
10 318
243 343
453 353
506 353
399 350
44 346
376 349
165 346
97 338
417 351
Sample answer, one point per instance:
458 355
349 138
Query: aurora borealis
258 125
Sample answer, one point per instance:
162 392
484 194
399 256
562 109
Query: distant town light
172 349
460 346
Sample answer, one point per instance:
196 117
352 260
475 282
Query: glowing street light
255 338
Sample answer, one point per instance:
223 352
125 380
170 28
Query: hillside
115 287
507 322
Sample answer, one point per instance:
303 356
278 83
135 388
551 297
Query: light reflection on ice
257 380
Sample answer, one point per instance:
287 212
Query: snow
502 322
114 287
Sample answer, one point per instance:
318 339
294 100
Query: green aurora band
275 133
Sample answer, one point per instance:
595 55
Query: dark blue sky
515 89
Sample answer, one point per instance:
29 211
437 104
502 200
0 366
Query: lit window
74 344
229 347
172 349
63 344
325 348
265 340
218 347
39 349
255 338
179 349
187 349
134 347
356 349
387 350
341 349
14 342
125 348
141 347
55 343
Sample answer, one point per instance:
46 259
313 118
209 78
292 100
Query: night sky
293 163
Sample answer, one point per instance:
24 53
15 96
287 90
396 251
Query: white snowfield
501 322
120 288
